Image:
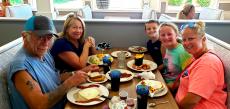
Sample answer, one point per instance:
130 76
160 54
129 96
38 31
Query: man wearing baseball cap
33 81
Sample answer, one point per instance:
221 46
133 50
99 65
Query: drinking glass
121 59
115 80
142 96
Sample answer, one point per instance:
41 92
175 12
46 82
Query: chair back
86 12
19 11
164 17
148 13
211 14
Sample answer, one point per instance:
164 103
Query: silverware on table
106 97
154 104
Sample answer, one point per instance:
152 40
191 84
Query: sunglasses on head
189 25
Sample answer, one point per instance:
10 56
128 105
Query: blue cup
142 96
115 79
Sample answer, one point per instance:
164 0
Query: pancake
96 77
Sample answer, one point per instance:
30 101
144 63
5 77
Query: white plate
95 56
161 93
71 92
122 71
98 82
152 65
137 49
127 54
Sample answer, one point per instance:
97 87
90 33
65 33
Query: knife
106 97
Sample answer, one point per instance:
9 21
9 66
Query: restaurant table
130 87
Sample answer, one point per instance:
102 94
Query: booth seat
7 53
222 49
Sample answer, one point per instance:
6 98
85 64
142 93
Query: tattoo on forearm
30 84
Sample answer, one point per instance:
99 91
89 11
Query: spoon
154 104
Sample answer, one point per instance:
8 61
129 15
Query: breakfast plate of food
137 49
115 54
96 77
97 59
126 75
146 66
87 94
156 88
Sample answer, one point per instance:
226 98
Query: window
106 4
15 2
68 5
176 5
120 4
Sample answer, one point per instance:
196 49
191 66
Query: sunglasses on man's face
45 37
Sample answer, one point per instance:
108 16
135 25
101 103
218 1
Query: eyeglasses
45 37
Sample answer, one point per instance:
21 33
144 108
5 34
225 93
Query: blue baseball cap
40 25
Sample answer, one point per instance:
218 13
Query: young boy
154 44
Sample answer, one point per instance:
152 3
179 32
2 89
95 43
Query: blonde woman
188 12
201 84
71 50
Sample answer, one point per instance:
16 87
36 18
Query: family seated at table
34 82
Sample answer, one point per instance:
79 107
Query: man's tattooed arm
33 94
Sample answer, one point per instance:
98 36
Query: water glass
121 59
